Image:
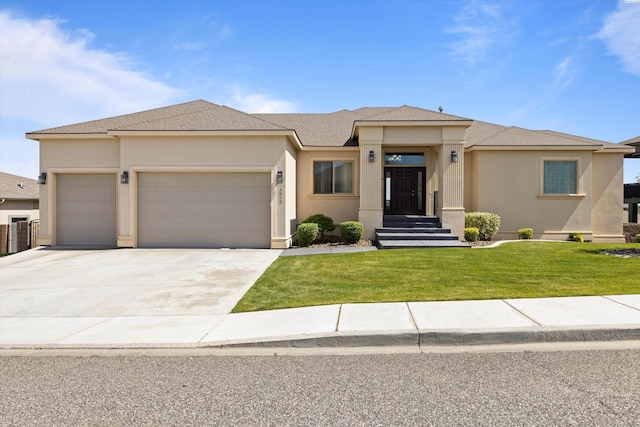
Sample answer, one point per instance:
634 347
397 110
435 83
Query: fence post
4 238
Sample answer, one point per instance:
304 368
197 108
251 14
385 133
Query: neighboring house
632 190
203 175
18 199
635 143
18 210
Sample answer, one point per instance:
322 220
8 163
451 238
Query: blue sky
572 66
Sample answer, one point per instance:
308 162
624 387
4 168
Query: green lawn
512 270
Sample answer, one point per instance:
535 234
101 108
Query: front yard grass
512 270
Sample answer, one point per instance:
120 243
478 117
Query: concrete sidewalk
513 321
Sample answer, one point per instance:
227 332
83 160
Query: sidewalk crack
522 313
618 302
339 315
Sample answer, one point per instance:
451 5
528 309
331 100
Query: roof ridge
207 107
570 136
252 115
117 116
506 128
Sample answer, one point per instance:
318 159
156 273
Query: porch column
371 213
451 178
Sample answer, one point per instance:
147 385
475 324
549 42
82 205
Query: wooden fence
19 236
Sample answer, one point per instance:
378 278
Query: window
332 177
560 177
403 159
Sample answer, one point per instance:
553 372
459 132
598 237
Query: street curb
417 340
443 338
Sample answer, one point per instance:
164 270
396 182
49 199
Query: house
632 190
203 175
18 209
19 200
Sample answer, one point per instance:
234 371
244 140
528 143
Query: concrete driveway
127 282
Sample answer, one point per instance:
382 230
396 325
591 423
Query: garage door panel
204 210
86 209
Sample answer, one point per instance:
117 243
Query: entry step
420 244
384 235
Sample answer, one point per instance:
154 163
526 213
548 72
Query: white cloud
480 26
53 76
258 103
50 76
563 74
621 35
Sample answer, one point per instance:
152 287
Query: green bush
471 234
487 223
576 237
351 231
324 222
307 233
525 233
637 238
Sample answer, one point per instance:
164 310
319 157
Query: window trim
579 185
354 172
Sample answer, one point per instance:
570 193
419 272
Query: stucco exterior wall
340 207
18 208
74 155
509 183
607 197
154 153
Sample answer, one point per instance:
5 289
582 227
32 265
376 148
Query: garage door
204 210
86 209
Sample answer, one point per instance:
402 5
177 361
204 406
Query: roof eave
41 136
534 148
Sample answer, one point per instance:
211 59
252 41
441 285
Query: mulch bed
623 253
330 241
630 231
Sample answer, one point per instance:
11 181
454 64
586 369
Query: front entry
404 190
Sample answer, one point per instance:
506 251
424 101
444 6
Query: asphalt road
585 388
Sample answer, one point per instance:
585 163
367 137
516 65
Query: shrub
637 238
525 233
351 231
324 222
471 234
576 237
487 223
307 233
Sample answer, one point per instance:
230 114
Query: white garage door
86 209
204 210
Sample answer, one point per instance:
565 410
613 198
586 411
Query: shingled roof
191 116
319 130
14 187
632 141
405 113
316 130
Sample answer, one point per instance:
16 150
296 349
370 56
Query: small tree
324 222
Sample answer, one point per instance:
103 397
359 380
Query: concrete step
415 236
420 244
413 230
410 220
412 224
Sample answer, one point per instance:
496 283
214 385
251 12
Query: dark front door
404 191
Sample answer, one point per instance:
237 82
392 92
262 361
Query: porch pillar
370 213
451 178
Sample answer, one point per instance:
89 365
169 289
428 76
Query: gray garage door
86 209
204 210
